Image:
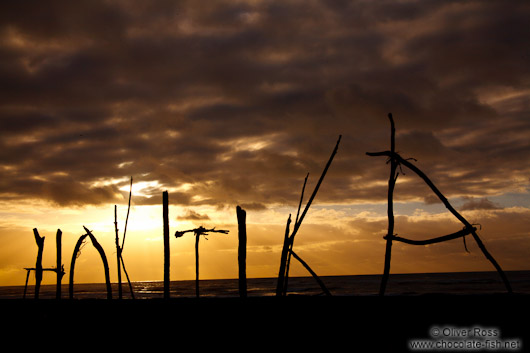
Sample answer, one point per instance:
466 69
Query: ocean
457 283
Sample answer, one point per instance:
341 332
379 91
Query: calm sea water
363 285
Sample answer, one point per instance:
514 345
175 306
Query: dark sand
344 323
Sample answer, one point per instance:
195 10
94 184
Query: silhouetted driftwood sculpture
59 270
119 248
101 252
395 161
242 251
198 232
165 219
287 249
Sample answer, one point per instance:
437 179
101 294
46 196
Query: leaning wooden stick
281 287
291 240
319 281
119 249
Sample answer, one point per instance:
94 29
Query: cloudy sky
226 103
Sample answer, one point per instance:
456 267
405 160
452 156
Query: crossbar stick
406 163
461 233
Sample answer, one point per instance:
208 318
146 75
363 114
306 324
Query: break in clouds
226 102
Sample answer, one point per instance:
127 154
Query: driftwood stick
38 266
165 216
72 263
26 286
461 233
197 237
399 159
118 250
291 239
103 259
288 240
127 276
60 272
319 281
311 198
283 259
127 217
301 198
99 248
123 242
390 208
242 250
198 232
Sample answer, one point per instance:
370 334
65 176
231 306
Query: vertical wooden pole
26 286
58 241
197 237
242 251
390 210
118 251
165 214
38 266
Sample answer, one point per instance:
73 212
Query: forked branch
287 249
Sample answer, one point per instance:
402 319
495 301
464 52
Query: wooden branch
390 208
38 266
319 281
242 250
127 217
103 259
451 236
26 286
289 240
127 275
49 269
59 271
165 216
72 263
398 159
301 198
198 232
297 224
99 248
118 250
197 237
283 259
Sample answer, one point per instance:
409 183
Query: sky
226 103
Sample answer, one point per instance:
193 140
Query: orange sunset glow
227 103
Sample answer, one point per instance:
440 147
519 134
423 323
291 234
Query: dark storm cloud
480 204
194 216
239 100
